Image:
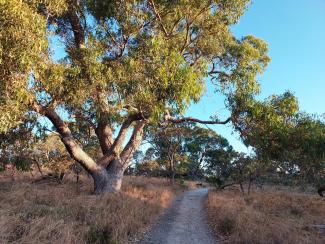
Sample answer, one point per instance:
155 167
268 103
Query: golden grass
268 216
48 212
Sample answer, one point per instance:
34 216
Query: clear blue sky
295 32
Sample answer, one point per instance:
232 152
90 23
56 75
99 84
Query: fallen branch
227 185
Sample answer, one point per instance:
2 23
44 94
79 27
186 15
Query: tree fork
107 173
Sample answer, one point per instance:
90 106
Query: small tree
280 135
209 153
245 170
190 151
167 148
16 148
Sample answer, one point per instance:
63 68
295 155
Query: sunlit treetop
122 57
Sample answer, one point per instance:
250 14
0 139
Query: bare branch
133 143
115 149
176 23
152 4
74 148
105 136
78 31
207 122
123 131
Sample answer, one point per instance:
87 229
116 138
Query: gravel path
183 223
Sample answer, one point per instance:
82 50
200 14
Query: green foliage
51 154
22 163
259 122
245 168
207 149
22 43
16 147
215 181
99 235
123 51
166 151
244 60
151 167
188 150
282 136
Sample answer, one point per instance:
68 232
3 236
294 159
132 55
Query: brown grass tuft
48 212
270 216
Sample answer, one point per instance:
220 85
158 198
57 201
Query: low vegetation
91 91
49 212
266 216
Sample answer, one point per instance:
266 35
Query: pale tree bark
110 179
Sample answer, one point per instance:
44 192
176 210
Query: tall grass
48 212
269 216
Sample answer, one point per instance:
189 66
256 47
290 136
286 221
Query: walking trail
183 223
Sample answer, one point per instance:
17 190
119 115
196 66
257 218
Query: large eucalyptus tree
127 63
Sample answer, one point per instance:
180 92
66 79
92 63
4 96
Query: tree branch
121 135
190 119
105 136
84 118
115 149
227 185
133 143
103 130
152 4
74 149
78 31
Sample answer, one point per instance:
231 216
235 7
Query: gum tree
281 135
126 64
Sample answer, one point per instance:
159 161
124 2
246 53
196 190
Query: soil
183 223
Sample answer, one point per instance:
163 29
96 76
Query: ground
49 212
183 223
271 215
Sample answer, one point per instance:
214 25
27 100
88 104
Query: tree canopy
186 150
126 65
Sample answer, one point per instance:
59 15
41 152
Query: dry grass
48 212
268 216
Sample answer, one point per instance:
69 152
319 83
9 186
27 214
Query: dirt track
183 223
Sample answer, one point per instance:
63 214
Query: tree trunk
320 191
38 167
173 177
242 188
108 180
249 186
108 171
227 185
